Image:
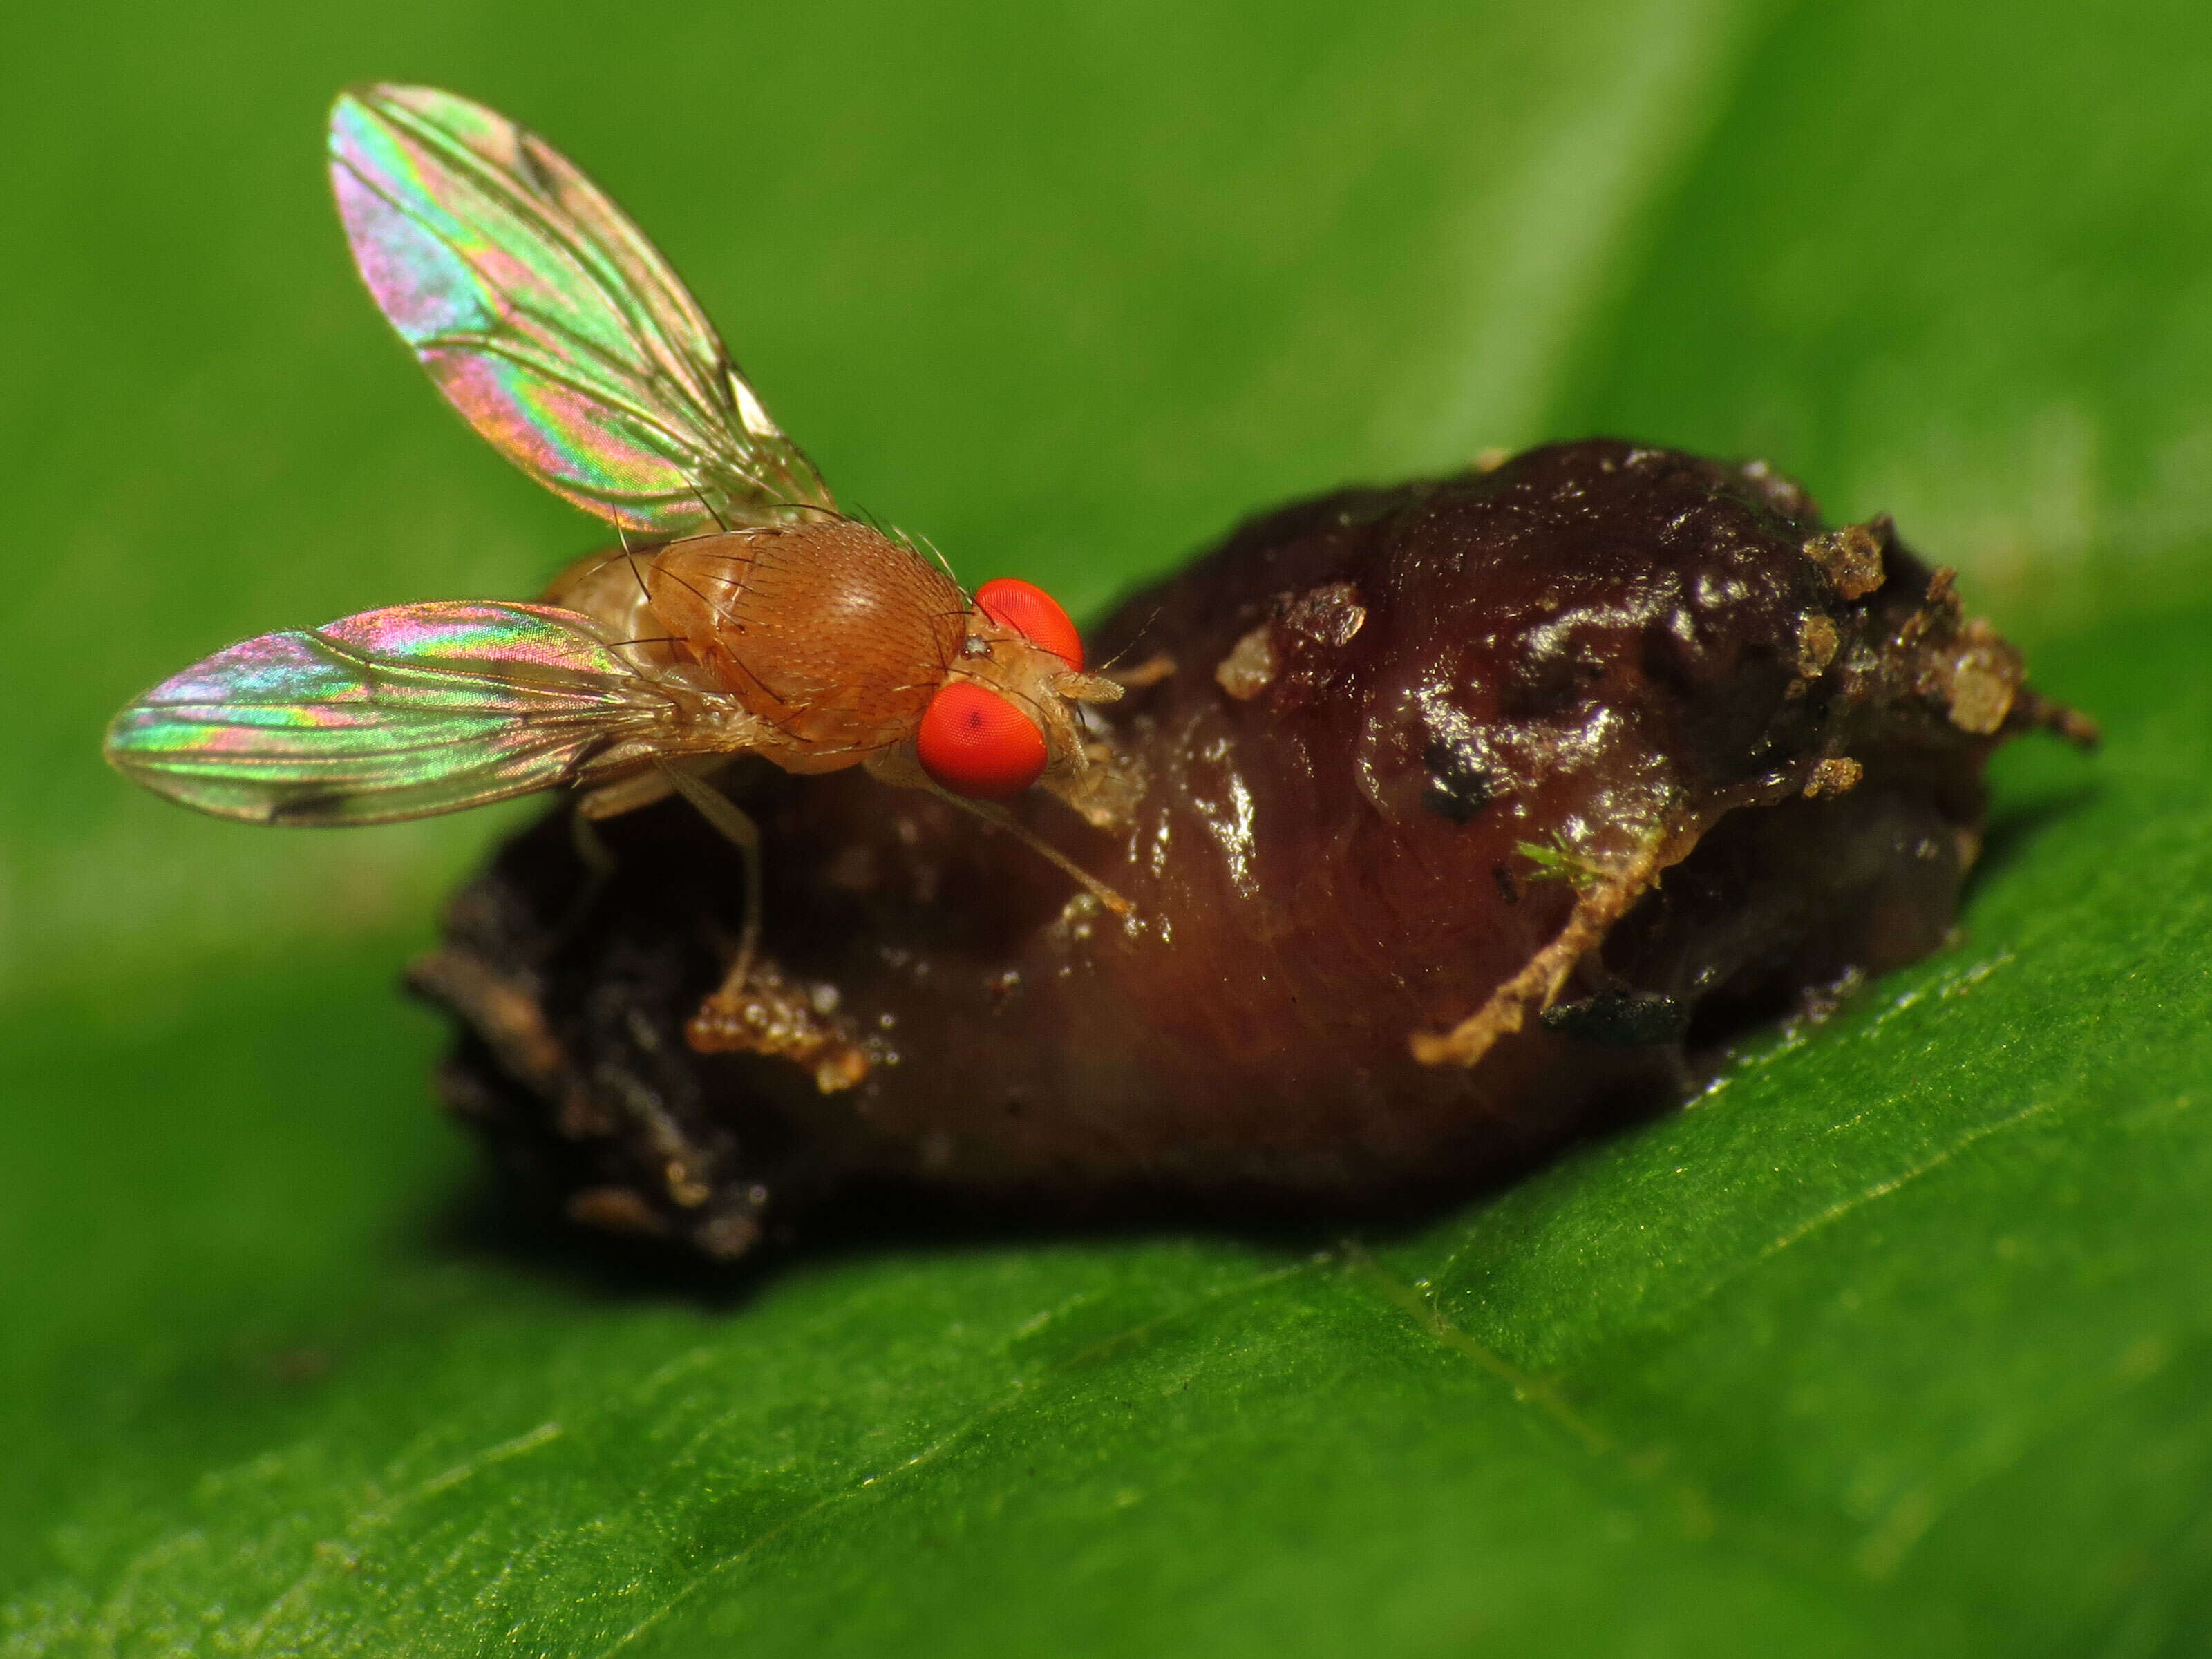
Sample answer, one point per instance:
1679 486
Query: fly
742 614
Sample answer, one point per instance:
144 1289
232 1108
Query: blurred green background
1898 1340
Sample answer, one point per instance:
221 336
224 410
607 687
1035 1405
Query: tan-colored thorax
831 632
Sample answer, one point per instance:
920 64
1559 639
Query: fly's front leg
734 822
991 813
898 767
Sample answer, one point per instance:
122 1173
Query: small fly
742 613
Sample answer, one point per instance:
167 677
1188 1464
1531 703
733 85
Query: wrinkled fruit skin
1409 732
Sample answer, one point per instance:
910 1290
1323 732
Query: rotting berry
1394 831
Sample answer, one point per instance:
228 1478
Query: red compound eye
973 742
1034 615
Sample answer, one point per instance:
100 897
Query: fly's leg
898 767
735 823
600 864
992 812
606 801
610 801
591 850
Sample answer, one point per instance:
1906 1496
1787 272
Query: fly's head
1007 714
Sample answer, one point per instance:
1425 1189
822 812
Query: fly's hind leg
735 823
598 858
593 852
606 801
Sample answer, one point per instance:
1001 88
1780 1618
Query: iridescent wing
392 714
546 317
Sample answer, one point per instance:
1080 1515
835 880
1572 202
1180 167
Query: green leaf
1895 1340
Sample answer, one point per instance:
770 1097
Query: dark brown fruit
1396 828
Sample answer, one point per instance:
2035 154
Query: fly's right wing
395 713
550 322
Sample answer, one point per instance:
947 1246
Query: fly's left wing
550 322
394 713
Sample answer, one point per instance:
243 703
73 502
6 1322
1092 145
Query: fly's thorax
832 632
